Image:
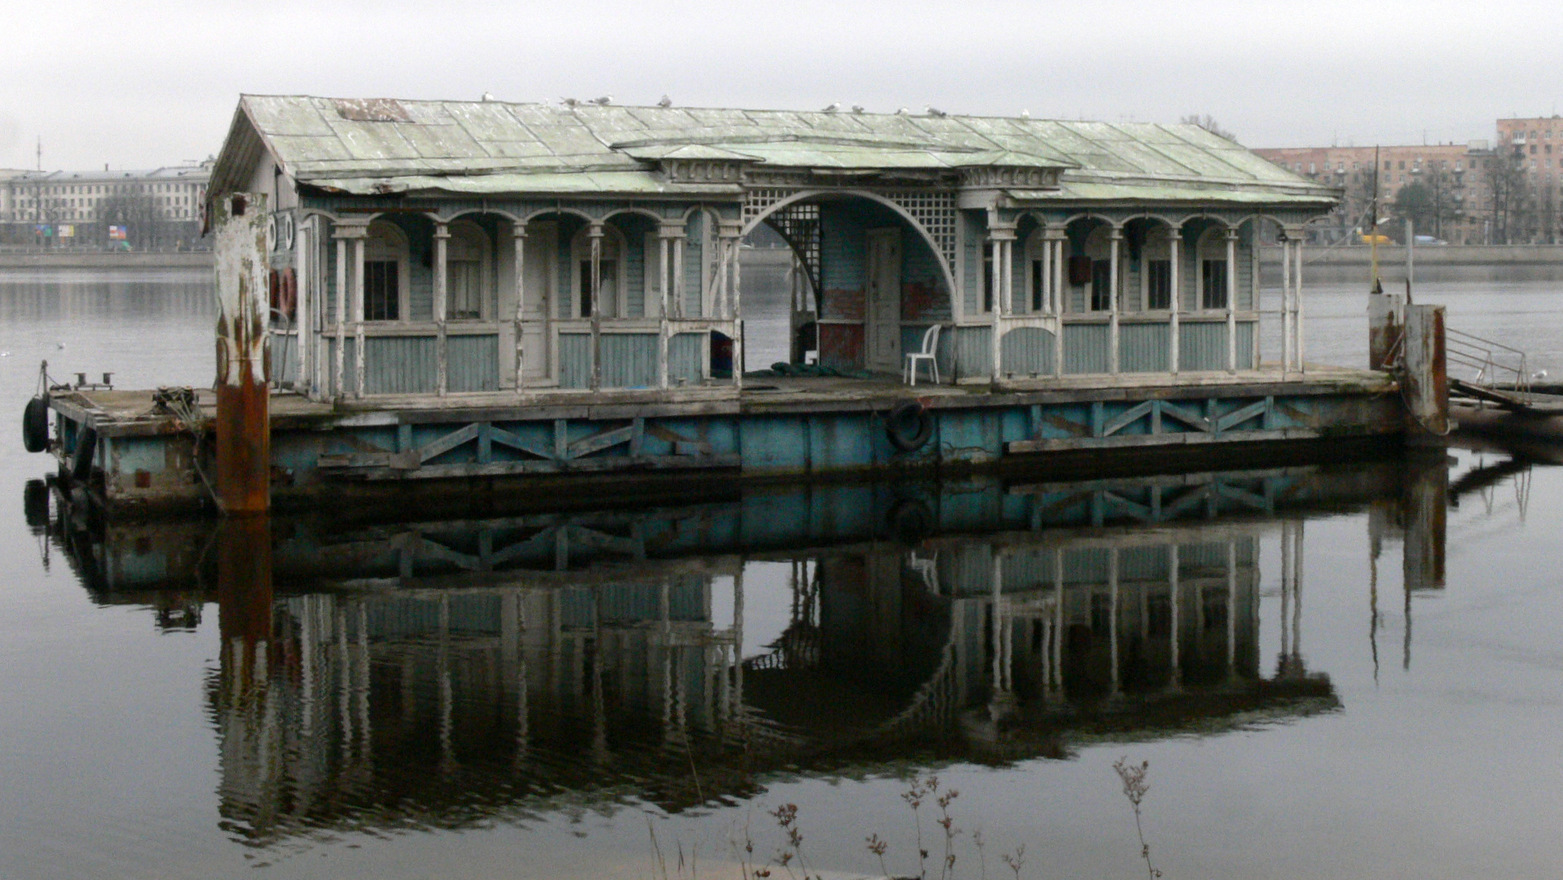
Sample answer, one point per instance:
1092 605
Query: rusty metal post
243 370
1383 328
1425 382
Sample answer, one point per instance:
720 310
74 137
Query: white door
540 259
884 300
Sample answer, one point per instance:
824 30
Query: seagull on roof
1025 114
857 108
902 111
935 111
603 101
665 103
834 106
569 102
488 96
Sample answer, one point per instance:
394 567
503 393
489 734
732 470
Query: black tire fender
35 424
909 426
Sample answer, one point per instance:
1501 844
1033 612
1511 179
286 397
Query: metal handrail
1491 360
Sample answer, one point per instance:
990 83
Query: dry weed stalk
1135 788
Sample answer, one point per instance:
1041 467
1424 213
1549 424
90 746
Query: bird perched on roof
1025 114
488 96
665 103
902 111
604 101
935 111
834 106
569 102
857 108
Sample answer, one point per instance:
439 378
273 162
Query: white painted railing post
1056 239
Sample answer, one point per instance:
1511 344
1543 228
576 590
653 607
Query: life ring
81 461
909 426
35 424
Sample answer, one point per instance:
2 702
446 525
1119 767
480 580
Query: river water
1349 669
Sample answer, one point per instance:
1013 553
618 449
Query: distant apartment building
157 209
1452 177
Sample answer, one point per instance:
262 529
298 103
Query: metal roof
385 145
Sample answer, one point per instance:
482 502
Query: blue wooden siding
400 365
693 259
843 248
1202 346
472 363
975 230
1026 351
1143 348
1085 348
629 360
973 351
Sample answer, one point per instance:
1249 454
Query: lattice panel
799 224
935 211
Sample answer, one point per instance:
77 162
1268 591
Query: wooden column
1055 242
1231 280
303 265
342 234
1174 241
441 304
1297 306
595 233
1115 241
518 238
1286 304
1003 241
358 316
666 245
730 239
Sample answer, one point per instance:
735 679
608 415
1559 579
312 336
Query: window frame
385 242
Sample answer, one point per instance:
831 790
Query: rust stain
921 300
844 304
841 345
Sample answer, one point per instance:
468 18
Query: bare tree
1208 123
1512 212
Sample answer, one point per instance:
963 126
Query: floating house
487 289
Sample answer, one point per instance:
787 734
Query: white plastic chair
929 353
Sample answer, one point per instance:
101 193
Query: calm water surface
1343 671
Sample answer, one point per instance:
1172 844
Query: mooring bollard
1425 382
243 427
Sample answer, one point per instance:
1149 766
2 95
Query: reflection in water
440 674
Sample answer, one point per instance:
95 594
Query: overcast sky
145 84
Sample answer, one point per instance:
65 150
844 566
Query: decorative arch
753 218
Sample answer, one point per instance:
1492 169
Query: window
610 266
382 282
1158 284
1101 285
1213 284
987 276
466 274
385 273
